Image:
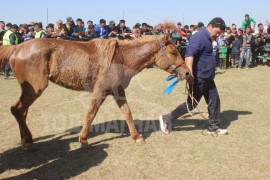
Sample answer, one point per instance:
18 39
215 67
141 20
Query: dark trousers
201 87
7 69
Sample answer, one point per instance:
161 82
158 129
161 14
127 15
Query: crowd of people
236 47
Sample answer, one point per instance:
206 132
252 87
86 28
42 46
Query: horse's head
169 58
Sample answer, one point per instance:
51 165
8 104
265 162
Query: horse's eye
173 53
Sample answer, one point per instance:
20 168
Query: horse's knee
14 111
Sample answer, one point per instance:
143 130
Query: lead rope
191 95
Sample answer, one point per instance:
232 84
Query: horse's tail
5 53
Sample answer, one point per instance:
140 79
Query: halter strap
168 61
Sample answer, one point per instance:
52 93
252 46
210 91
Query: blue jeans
207 89
245 55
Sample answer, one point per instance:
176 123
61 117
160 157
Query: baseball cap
8 24
137 25
15 26
31 23
69 19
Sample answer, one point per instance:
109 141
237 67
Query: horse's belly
79 77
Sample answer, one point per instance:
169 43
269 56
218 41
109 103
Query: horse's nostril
187 74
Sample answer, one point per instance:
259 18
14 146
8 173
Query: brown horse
104 67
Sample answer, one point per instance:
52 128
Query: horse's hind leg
20 108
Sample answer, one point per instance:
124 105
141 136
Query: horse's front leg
121 101
97 100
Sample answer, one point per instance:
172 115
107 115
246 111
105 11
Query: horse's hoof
29 147
84 143
140 142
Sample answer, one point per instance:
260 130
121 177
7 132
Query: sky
149 11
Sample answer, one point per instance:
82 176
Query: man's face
112 25
92 30
30 27
60 25
89 23
2 26
239 33
215 32
36 28
50 30
102 25
79 23
70 22
13 30
248 30
191 29
261 27
122 25
246 18
179 26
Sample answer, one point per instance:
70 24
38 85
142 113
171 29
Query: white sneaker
163 126
218 132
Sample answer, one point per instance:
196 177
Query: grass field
112 154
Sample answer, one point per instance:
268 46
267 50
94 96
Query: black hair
3 23
90 22
191 26
218 23
38 25
260 24
79 19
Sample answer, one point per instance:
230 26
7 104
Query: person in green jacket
247 22
222 55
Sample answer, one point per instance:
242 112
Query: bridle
169 63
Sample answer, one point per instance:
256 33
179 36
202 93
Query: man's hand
189 63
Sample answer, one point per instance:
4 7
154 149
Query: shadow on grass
55 160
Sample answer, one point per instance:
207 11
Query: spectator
60 30
31 31
25 32
79 30
69 27
222 54
123 30
2 31
20 34
191 28
230 39
234 32
261 30
258 50
268 29
233 26
248 40
214 44
247 22
50 31
10 38
91 34
198 28
113 30
89 23
102 30
144 30
180 30
39 32
137 30
8 26
236 50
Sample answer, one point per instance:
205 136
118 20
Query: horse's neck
136 57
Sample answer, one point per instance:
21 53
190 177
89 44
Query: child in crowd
222 54
236 47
